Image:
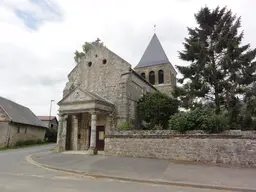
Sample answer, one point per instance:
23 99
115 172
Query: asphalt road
16 175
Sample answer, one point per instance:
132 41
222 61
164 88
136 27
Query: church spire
154 54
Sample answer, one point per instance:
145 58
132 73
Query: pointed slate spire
154 54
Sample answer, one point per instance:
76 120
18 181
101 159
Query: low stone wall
233 147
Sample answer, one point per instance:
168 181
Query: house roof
19 114
46 118
154 54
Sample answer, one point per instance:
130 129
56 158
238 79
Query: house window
160 77
143 75
152 77
18 129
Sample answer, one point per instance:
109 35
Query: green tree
220 69
156 108
248 112
78 55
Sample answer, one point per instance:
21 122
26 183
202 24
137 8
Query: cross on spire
154 28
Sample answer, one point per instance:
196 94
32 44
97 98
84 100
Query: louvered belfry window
152 77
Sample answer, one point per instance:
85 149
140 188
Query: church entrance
100 137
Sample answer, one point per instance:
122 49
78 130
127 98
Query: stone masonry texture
169 76
17 132
232 149
26 132
122 88
3 133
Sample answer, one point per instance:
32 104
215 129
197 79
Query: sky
38 38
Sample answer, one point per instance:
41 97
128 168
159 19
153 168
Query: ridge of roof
19 113
154 54
46 118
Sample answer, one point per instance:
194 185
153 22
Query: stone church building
102 92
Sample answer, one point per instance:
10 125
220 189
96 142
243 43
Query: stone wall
19 132
169 76
135 89
238 148
3 128
3 133
113 80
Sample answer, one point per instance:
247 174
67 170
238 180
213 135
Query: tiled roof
153 55
19 114
46 118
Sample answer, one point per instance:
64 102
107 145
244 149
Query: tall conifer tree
220 68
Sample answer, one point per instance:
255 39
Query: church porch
83 122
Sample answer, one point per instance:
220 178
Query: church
102 92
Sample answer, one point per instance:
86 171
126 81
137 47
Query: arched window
152 77
143 75
160 77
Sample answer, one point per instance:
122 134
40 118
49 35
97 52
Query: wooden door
100 138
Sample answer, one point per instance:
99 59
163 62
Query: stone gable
76 95
99 72
104 76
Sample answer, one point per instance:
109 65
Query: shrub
179 122
156 108
19 143
199 119
254 124
28 142
217 123
157 127
125 126
39 141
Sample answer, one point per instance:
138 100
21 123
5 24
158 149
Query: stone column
59 129
74 132
93 149
62 132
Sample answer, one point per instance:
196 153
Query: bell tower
155 67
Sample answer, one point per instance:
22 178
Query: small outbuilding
18 123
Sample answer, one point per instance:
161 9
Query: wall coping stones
166 134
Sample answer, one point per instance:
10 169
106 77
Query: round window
89 64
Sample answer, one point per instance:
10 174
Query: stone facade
20 132
122 88
103 91
101 84
3 134
239 150
4 125
169 76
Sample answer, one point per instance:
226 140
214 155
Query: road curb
30 160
